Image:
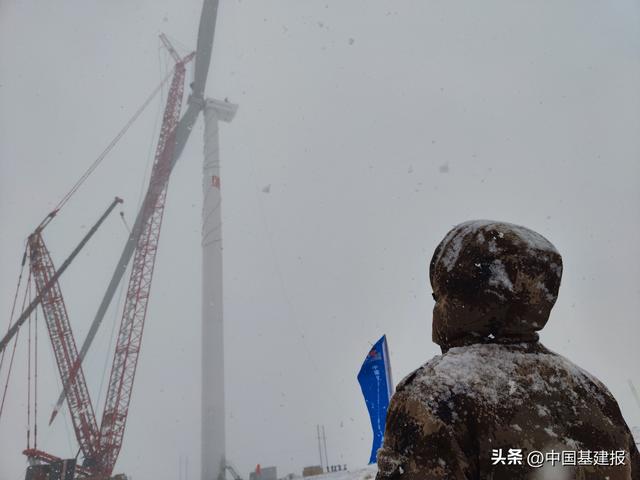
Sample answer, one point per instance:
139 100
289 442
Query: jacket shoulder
415 376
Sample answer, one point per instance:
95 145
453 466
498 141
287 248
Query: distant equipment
59 470
229 468
322 446
264 473
337 468
312 471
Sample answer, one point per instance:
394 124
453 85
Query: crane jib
36 301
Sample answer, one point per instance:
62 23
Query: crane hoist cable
13 330
13 308
15 298
96 163
29 329
35 384
15 343
32 379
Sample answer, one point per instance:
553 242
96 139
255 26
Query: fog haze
366 130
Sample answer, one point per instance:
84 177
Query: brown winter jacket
497 395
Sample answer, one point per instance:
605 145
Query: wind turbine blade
206 32
183 130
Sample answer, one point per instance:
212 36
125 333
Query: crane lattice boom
64 345
125 358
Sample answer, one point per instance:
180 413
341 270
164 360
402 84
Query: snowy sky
378 125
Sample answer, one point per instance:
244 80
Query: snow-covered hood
492 282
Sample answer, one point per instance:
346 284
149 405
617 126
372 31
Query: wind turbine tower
213 412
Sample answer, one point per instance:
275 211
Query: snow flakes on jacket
495 387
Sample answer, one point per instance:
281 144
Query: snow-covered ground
367 473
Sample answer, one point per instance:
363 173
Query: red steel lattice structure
125 358
64 345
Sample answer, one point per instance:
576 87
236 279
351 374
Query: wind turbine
212 448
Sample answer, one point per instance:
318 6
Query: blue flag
377 388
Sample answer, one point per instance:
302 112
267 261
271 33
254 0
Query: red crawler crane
101 447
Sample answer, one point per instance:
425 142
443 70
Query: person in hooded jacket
496 394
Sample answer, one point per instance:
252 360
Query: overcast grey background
378 125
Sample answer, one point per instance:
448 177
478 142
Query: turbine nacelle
224 110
